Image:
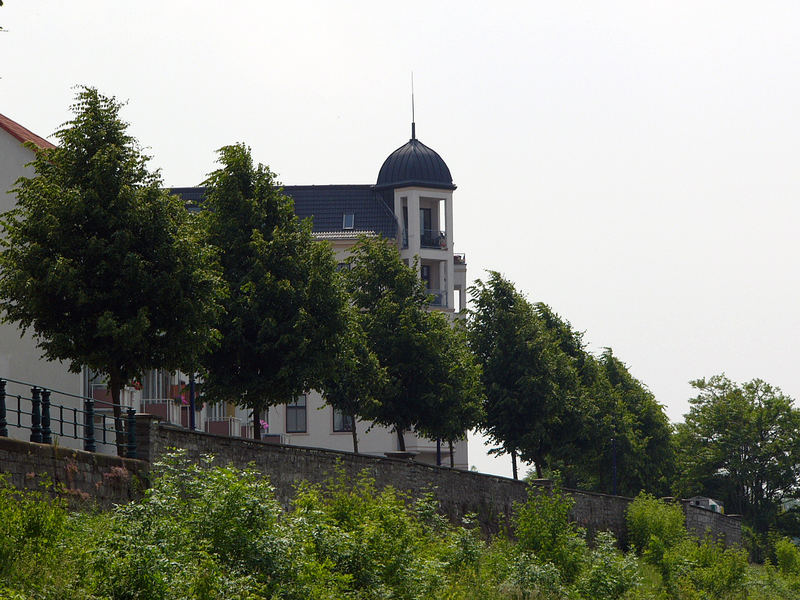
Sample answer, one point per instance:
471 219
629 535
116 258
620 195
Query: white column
413 222
398 214
448 221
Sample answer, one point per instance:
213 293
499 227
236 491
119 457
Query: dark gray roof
327 205
414 164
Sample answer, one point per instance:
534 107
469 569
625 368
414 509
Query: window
296 415
341 421
348 221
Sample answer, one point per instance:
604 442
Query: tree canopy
428 368
284 308
529 381
740 443
99 262
355 386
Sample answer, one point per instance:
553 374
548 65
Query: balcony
431 238
166 408
439 298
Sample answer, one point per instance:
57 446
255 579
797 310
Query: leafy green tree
740 443
99 262
458 405
284 309
410 341
358 381
641 432
528 379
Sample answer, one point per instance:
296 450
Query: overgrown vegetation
204 532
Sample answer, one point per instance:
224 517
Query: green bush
787 557
609 574
543 527
654 525
716 571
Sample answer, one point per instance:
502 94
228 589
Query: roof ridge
23 134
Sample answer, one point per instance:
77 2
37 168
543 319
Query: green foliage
787 556
529 381
543 528
741 443
609 574
284 309
433 382
717 572
214 532
99 261
358 381
654 525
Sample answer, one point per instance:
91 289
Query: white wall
19 357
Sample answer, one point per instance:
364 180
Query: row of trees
553 403
112 273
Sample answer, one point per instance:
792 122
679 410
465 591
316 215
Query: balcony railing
438 297
227 426
431 238
166 408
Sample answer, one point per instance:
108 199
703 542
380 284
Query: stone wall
490 497
80 477
86 477
701 520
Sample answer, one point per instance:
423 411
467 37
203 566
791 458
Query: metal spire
413 125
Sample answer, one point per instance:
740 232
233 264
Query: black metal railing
86 419
431 238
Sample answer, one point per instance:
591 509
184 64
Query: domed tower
417 183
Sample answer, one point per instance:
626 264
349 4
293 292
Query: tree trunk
401 442
115 382
256 425
452 458
355 434
538 469
514 464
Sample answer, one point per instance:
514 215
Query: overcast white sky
633 164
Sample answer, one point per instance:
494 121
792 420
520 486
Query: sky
632 164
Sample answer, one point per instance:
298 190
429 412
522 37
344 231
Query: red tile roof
22 134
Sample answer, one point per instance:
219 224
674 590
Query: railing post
36 415
131 453
47 436
3 421
88 429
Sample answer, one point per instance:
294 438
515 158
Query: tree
528 379
740 443
458 404
354 386
615 437
284 309
103 265
408 339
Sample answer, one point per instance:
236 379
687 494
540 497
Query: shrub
717 571
787 557
543 527
608 574
654 525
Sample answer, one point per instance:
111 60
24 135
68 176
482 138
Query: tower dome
414 165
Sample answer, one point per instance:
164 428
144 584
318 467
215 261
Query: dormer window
348 221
